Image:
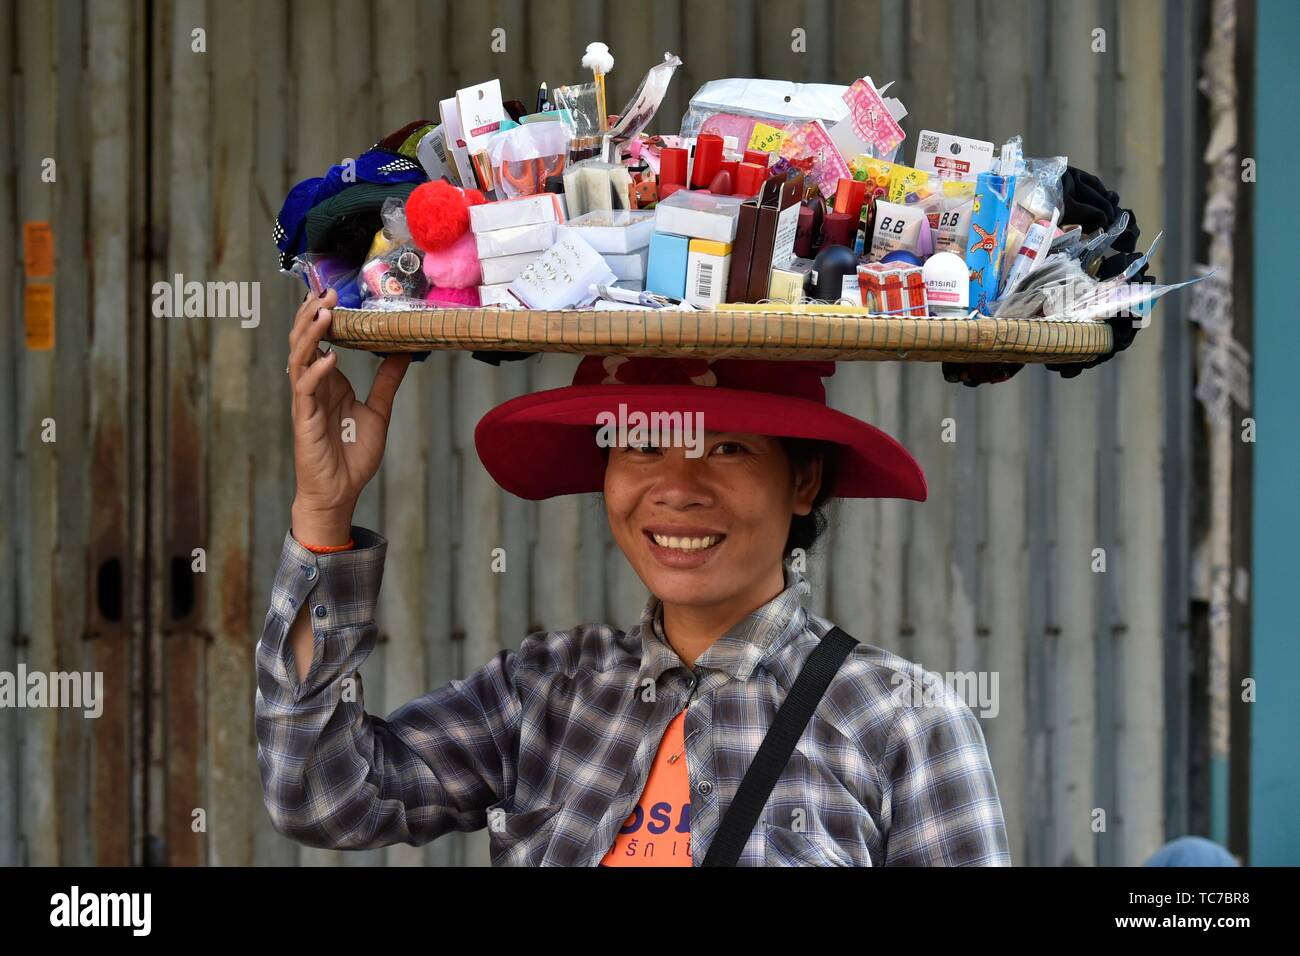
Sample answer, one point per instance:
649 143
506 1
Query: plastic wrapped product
898 227
949 218
736 106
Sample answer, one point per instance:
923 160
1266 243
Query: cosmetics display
769 198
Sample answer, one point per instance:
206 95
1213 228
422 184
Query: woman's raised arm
338 441
332 774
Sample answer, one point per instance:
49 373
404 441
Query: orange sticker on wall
38 315
38 250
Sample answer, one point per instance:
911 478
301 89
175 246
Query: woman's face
704 530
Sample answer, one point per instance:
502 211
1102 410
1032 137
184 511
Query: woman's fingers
307 311
311 377
303 323
307 347
387 378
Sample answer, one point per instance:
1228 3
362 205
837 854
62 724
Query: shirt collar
749 642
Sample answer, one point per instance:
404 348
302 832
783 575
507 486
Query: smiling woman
665 719
805 529
762 496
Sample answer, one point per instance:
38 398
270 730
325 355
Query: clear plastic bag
393 215
1038 195
398 273
526 156
320 272
1061 290
1077 302
579 113
731 107
643 106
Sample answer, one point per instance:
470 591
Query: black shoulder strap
774 753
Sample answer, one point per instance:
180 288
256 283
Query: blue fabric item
372 166
1191 851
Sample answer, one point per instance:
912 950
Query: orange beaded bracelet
327 548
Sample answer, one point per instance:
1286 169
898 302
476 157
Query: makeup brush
600 61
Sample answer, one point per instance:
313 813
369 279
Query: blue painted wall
1275 729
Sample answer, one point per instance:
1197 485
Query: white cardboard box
521 211
514 240
630 266
618 231
699 215
498 295
505 269
708 265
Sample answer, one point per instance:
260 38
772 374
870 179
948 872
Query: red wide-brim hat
542 444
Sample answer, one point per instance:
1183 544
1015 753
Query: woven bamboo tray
739 334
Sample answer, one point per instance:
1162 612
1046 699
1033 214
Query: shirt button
310 572
320 610
705 787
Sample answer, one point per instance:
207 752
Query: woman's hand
338 441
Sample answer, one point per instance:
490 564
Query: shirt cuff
340 589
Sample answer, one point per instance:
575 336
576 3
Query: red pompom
474 197
437 214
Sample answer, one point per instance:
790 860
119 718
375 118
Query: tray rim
768 334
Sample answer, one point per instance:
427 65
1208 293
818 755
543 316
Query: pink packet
829 166
871 117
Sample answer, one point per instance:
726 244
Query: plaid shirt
549 746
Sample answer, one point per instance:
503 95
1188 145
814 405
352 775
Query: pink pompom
456 267
453 297
437 214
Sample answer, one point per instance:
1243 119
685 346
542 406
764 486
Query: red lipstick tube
749 178
672 167
850 194
708 160
839 228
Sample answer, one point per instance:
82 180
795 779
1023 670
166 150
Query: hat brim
541 445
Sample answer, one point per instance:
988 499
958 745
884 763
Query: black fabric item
491 358
774 752
338 225
415 356
496 358
349 237
1088 203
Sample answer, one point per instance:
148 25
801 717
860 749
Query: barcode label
929 143
704 281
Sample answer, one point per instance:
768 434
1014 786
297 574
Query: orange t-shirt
658 831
